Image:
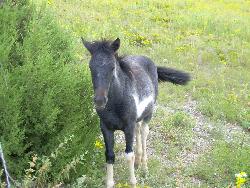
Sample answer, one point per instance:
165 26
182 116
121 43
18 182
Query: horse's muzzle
100 102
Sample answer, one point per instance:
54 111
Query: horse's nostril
97 100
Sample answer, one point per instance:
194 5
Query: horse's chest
142 104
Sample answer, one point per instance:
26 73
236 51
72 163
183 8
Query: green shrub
45 95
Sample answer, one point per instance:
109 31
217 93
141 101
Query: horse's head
102 66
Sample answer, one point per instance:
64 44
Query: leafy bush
45 95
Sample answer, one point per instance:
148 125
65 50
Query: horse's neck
118 81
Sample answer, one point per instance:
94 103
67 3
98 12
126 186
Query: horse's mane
101 45
104 46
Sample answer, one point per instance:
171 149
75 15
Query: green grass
219 166
195 36
209 39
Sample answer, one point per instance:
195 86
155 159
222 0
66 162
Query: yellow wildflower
240 179
98 144
49 2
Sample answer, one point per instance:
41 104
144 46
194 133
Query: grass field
201 130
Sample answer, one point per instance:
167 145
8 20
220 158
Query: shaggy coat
126 90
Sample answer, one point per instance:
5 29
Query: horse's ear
115 45
87 45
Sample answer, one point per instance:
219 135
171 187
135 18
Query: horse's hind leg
138 151
144 135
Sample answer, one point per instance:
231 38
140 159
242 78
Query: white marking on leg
144 132
110 176
138 152
131 159
141 105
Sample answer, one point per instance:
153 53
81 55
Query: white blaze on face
116 76
142 105
115 72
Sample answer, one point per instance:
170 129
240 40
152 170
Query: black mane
102 45
119 57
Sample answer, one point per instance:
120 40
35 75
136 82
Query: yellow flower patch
241 179
98 144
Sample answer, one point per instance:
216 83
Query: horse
125 92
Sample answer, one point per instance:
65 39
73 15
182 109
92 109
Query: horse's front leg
129 136
109 153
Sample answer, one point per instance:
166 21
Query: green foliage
45 95
40 168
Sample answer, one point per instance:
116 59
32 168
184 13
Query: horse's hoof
133 182
110 184
133 185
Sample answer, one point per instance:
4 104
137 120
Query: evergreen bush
45 94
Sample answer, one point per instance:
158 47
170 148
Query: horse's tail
172 75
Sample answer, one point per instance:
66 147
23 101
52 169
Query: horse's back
136 60
143 63
144 72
